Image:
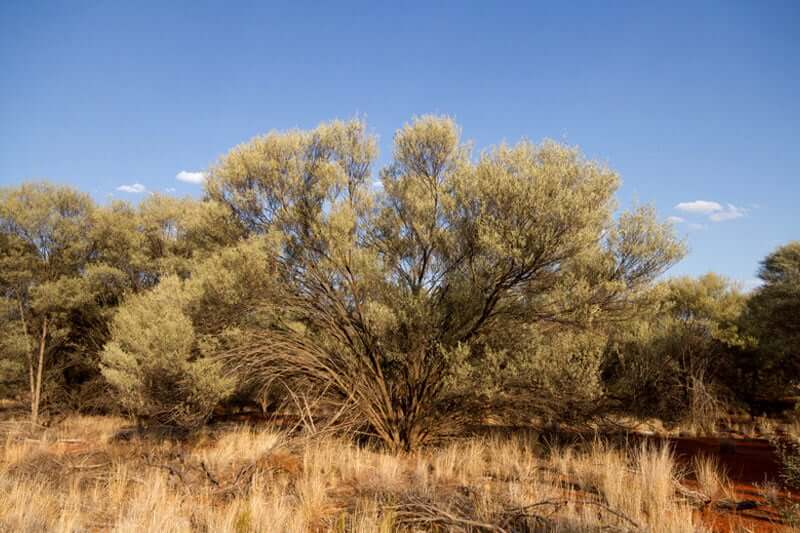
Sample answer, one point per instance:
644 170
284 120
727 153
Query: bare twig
208 474
560 503
425 513
172 470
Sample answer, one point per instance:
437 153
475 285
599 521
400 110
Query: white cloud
751 284
136 188
675 220
730 212
715 211
378 184
191 177
697 226
169 190
699 206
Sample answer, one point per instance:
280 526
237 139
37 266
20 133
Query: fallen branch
521 511
423 513
89 467
173 471
699 499
208 474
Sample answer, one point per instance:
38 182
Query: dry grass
793 428
77 477
712 479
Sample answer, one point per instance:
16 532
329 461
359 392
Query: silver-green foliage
160 357
153 361
455 282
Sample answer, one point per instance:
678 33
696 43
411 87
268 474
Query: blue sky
689 102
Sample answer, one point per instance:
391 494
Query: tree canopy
402 286
774 318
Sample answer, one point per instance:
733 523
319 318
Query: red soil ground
750 464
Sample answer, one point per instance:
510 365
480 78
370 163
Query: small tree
161 236
45 251
157 358
677 361
390 295
773 317
153 363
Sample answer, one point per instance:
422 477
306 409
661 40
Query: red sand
745 460
748 462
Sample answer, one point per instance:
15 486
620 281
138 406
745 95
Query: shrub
788 449
773 317
680 362
390 297
154 364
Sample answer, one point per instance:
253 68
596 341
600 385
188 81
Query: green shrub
411 296
154 364
788 449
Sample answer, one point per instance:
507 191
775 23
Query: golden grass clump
245 479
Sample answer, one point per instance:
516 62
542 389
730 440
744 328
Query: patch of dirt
747 461
752 465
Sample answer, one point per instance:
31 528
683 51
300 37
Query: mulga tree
681 358
450 268
151 360
160 236
157 358
773 318
42 265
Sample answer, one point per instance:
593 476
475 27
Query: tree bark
36 399
29 350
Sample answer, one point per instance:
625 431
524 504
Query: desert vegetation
455 341
244 479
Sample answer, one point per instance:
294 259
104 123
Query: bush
680 362
788 449
402 304
154 364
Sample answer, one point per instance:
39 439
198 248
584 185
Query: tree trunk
37 393
28 351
